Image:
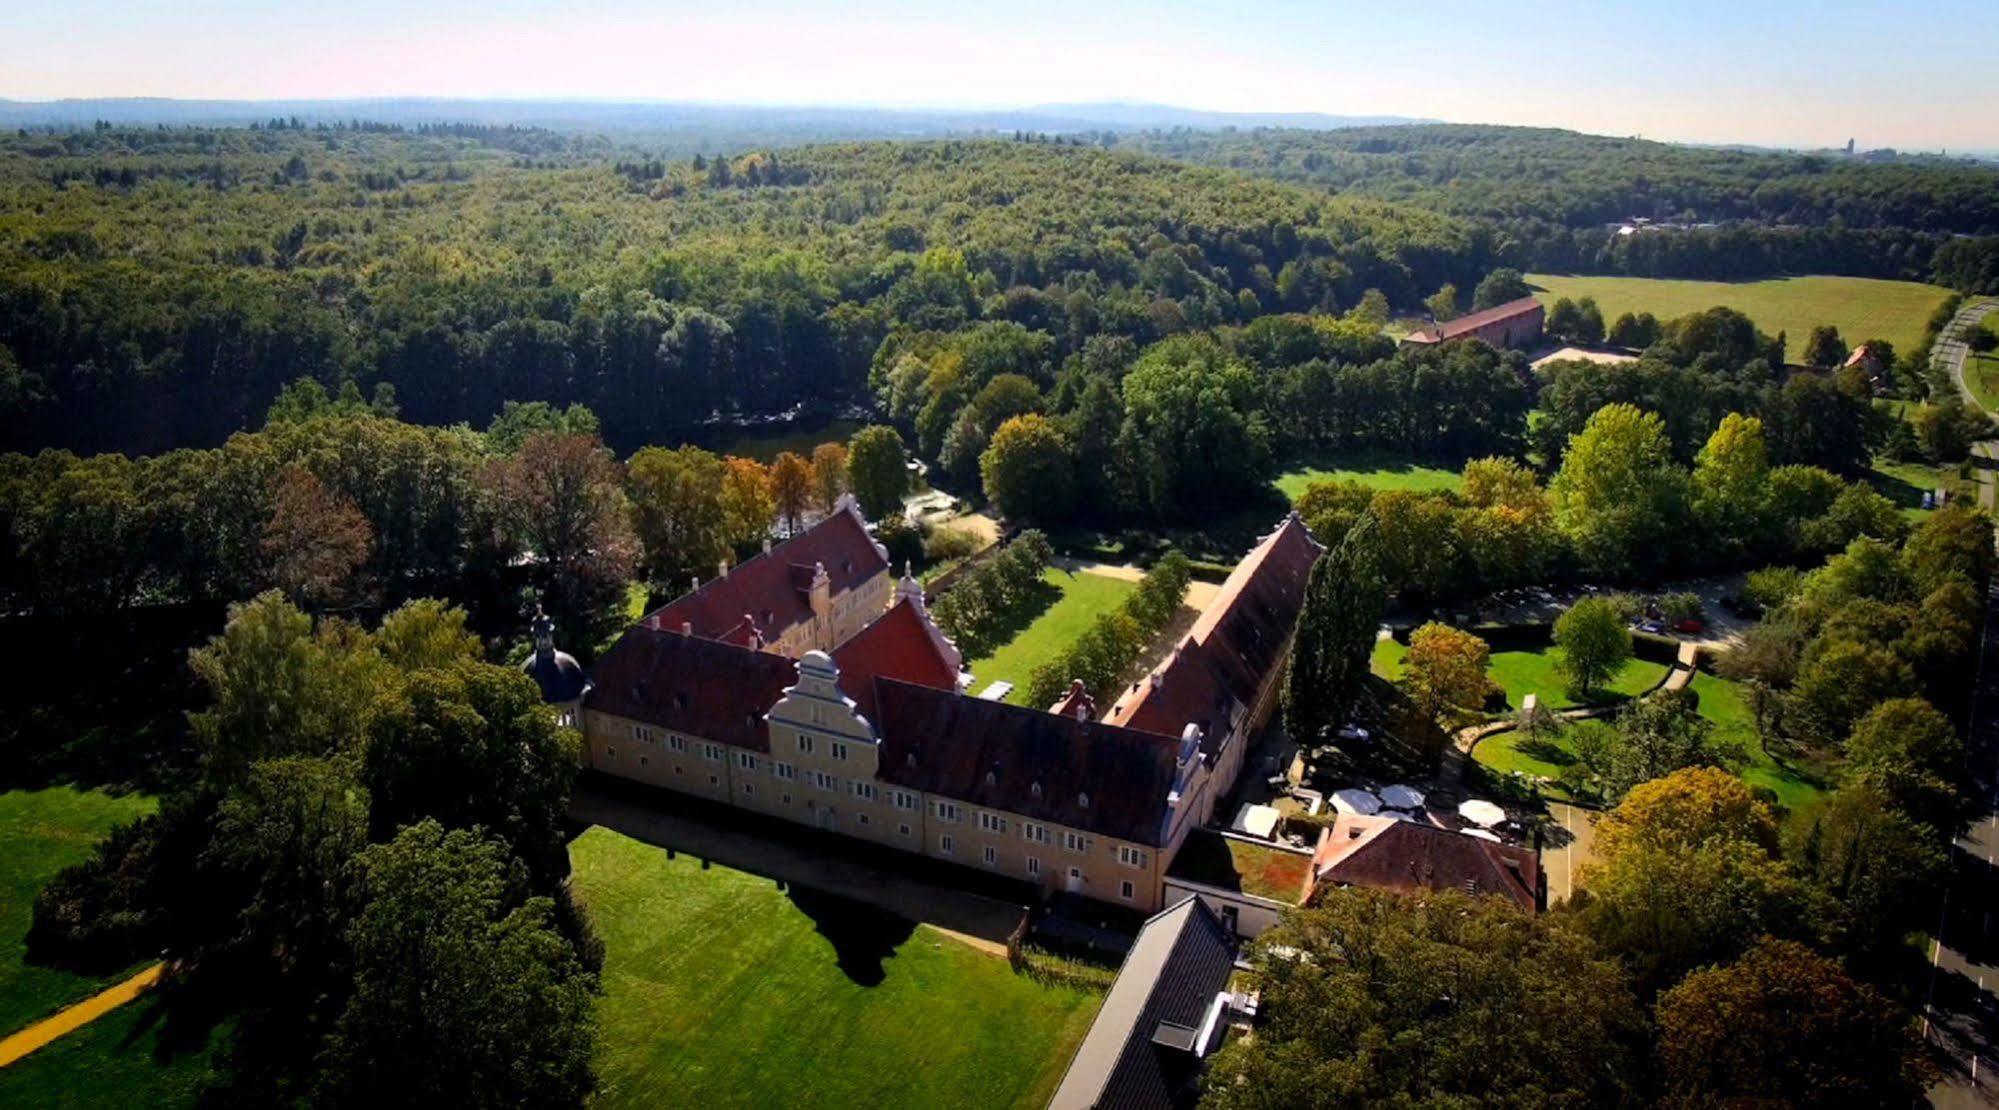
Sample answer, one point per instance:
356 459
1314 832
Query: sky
1920 75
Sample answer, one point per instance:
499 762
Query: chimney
766 545
687 628
722 568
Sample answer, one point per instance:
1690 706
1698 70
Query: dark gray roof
559 675
1139 1053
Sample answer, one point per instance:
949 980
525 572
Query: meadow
1371 469
729 991
1520 673
1861 308
1073 604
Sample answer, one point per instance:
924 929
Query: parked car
1655 627
1690 625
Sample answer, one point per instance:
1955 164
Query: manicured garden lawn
1080 597
42 832
721 990
1520 673
114 1063
1862 308
1378 471
1905 483
1722 702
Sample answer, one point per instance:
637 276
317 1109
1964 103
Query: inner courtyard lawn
1374 470
1078 599
41 833
1520 673
1861 308
722 990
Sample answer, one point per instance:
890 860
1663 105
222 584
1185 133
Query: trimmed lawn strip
41 833
1862 308
117 1062
1082 598
1372 469
726 991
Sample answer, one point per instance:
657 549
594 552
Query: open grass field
42 832
723 990
1905 483
117 1062
1862 308
1981 373
1520 673
1073 604
1373 470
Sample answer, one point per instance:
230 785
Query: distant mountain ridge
623 115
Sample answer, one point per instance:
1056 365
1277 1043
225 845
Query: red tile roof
1464 325
772 590
900 645
1027 762
1410 855
1223 660
704 688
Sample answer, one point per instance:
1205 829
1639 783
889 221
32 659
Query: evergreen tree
1344 599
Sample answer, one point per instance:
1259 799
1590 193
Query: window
749 790
610 754
1034 866
711 752
902 829
805 742
746 761
1130 856
642 761
676 743
1075 842
1125 890
1033 833
992 822
839 750
946 811
820 780
785 798
992 855
864 790
783 771
713 781
944 843
863 818
905 800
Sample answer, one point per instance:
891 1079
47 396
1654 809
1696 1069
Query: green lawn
1904 483
1080 598
115 1063
1377 471
1520 673
721 990
1862 308
42 832
1981 373
1722 702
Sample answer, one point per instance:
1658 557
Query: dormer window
680 700
910 759
1035 790
1083 799
991 778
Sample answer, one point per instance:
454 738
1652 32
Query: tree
1445 669
1909 751
1649 740
562 501
464 991
1192 426
427 633
1499 287
1825 349
791 488
1595 644
1375 997
1842 679
1879 869
1634 332
1345 596
1619 497
875 467
1028 470
1564 319
1730 484
748 506
1783 1025
829 474
1954 541
679 512
1589 322
1443 304
315 539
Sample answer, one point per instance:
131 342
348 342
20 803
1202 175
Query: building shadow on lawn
862 936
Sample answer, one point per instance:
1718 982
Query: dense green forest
1552 193
157 288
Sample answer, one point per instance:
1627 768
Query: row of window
947 845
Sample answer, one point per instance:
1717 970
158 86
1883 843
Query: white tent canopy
1401 797
1257 821
1353 800
1484 834
1481 812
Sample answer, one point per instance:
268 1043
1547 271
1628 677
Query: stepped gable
1238 640
698 687
1383 852
769 593
900 645
1081 774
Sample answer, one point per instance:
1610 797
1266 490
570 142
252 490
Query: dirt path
77 1016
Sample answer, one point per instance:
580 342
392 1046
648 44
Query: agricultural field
727 991
1375 471
1862 308
1074 601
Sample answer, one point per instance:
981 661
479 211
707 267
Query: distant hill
739 122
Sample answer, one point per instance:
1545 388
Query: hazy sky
1916 75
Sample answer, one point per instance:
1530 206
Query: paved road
1949 350
1962 1012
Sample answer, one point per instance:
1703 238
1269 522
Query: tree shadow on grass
1546 750
1011 624
862 936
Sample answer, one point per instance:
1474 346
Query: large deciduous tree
563 504
877 470
679 512
315 540
1619 496
1029 470
1594 643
